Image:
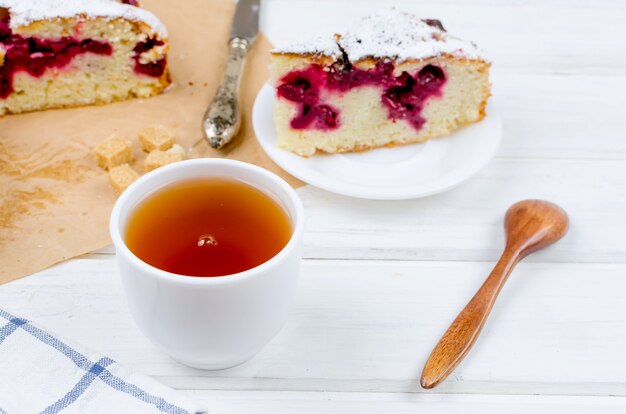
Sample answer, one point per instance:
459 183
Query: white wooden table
382 280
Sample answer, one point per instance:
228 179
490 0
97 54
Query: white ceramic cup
210 322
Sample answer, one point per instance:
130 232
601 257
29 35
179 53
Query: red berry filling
343 76
404 95
34 55
406 99
303 88
154 69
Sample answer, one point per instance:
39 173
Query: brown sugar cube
113 151
156 138
121 177
158 158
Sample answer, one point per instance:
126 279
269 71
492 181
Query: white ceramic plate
403 172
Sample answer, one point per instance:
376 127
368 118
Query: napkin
40 373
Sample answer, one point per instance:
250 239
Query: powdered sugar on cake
25 12
389 34
322 45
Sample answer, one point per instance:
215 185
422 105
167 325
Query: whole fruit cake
393 79
62 53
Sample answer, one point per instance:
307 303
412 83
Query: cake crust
25 12
388 34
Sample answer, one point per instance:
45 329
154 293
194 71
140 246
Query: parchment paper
55 201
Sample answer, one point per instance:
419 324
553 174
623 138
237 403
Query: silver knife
223 117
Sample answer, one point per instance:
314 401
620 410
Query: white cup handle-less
210 322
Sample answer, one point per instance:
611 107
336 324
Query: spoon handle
461 335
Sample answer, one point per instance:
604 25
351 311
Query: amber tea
208 227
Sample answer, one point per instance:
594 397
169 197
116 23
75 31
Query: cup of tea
209 254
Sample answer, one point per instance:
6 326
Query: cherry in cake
395 79
62 53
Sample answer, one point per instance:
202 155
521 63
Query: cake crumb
159 158
156 137
121 177
113 151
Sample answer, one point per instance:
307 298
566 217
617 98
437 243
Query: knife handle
223 116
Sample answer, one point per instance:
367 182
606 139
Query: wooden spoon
530 225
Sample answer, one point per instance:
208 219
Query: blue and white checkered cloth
39 373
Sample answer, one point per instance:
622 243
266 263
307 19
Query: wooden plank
370 325
255 402
466 223
565 117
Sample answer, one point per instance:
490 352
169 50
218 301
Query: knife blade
222 118
246 21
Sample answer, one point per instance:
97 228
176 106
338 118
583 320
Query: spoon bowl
531 225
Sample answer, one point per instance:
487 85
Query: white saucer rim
266 96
